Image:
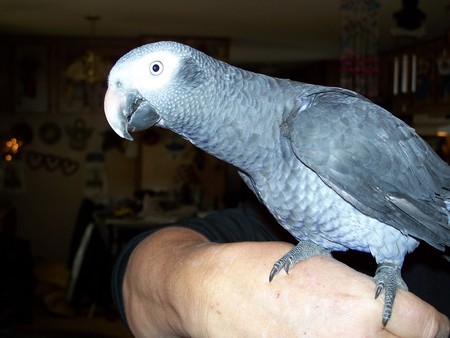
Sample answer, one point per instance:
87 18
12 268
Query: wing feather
374 161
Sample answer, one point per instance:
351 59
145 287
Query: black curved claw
284 262
301 251
276 268
388 279
380 288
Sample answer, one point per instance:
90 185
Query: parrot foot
301 251
388 278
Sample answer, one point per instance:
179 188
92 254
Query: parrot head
146 86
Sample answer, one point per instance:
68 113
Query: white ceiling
259 30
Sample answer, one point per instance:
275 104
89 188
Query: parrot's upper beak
128 113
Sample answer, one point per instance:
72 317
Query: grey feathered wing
374 161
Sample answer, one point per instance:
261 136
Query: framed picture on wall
31 78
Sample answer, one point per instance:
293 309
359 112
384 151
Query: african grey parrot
337 171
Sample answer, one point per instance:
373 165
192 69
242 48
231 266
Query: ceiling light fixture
90 67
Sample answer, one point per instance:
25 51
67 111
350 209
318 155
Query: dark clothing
253 223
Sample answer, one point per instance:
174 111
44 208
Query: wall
48 203
36 93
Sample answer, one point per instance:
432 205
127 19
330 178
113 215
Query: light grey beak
128 113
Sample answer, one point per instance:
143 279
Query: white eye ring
156 68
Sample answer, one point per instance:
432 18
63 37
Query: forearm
153 296
321 297
175 282
179 284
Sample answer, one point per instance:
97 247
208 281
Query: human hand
321 297
203 289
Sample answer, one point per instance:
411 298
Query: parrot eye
156 68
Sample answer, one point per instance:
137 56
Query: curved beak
128 113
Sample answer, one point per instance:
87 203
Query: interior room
72 192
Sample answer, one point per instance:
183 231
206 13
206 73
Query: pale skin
179 284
